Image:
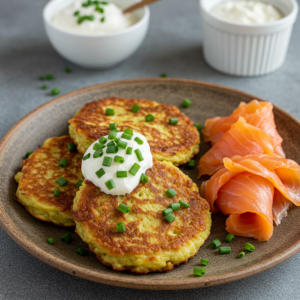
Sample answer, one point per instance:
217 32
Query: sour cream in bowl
95 34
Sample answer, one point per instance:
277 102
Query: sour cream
95 18
125 185
247 12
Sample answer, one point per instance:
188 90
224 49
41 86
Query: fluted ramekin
247 50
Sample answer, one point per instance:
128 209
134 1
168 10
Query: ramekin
96 51
247 50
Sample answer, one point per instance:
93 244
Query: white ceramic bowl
97 51
247 50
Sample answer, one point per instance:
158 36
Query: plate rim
139 282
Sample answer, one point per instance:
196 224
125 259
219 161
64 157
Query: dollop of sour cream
97 17
125 185
247 12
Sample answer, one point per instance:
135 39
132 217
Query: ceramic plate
209 100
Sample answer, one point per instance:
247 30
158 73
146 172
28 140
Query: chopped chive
149 118
167 211
50 241
44 87
30 152
191 164
204 262
62 181
139 141
56 192
224 250
76 13
173 121
249 247
98 146
72 147
199 271
174 206
134 169
241 254
198 126
112 135
186 103
122 144
112 149
87 156
120 227
55 91
103 140
102 20
121 174
229 238
98 153
112 126
100 9
80 251
79 183
170 218
110 112
90 17
110 184
119 159
66 238
124 208
41 78
171 193
126 136
215 244
100 173
68 70
136 108
111 143
128 131
144 178
63 162
184 204
163 75
139 154
49 77
104 2
129 151
107 161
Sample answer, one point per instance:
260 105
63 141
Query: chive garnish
55 91
79 183
184 204
63 162
139 141
107 161
129 151
128 131
72 147
56 192
126 136
174 206
170 218
149 118
110 184
171 193
80 251
122 144
241 254
49 77
98 146
44 87
144 178
98 153
199 271
104 2
76 13
102 20
204 262
62 181
191 164
134 169
136 108
121 174
167 211
28 154
41 78
68 70
120 227
110 112
112 149
215 244
87 156
139 154
112 126
50 241
112 135
163 75
103 140
229 238
66 238
224 250
111 143
100 9
198 126
173 121
100 173
186 103
119 159
124 208
249 247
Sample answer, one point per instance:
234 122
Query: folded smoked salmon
253 190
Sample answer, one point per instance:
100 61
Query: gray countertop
173 46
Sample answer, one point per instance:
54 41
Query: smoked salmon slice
253 190
241 139
257 113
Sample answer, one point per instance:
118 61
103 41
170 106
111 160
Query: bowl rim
138 24
141 283
291 17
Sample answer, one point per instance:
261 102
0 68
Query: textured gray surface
173 45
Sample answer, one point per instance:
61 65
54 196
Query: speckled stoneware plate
209 100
